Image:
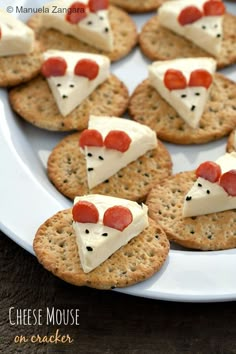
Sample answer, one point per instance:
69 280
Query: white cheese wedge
70 90
94 30
103 163
190 102
207 32
97 242
206 197
16 37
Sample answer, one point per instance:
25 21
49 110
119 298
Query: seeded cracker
206 232
138 6
123 27
159 43
56 249
35 103
231 142
16 69
219 118
67 171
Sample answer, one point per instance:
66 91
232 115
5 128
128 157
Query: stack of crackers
149 179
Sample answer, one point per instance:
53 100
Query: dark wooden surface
110 322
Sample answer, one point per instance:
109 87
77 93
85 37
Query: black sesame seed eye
89 23
203 27
199 185
105 234
183 96
89 154
188 198
106 29
193 108
71 85
90 169
90 249
218 35
64 96
87 231
100 158
197 94
208 192
58 85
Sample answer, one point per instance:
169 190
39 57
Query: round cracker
16 69
56 249
159 43
35 103
230 143
219 118
124 33
214 231
138 6
67 171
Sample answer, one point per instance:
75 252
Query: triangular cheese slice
189 102
206 197
97 242
206 32
94 29
70 90
15 36
103 162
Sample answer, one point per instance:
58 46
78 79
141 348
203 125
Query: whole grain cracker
219 118
206 232
230 143
35 103
138 6
67 171
56 249
123 27
159 43
16 69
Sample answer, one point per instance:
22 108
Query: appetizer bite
196 209
72 85
191 28
102 242
20 57
114 156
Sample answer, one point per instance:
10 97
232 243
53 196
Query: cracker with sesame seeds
214 231
146 106
231 143
67 171
159 43
35 103
123 27
16 69
138 6
56 249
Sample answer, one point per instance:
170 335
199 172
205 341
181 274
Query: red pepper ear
90 137
117 217
209 170
189 15
87 68
175 80
54 66
214 8
228 182
96 5
76 12
85 212
200 77
117 140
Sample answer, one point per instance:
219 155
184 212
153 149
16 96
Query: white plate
28 198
